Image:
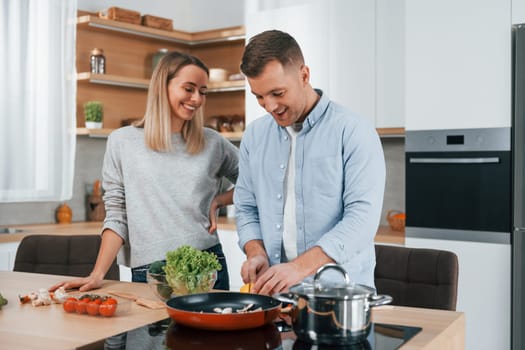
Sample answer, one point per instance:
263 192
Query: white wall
187 15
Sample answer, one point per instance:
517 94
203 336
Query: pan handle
380 299
285 298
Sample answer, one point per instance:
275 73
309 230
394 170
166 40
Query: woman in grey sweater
162 175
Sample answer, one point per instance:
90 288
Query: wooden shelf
391 132
117 80
104 133
198 38
98 133
110 79
225 86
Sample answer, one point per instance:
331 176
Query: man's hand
278 278
253 267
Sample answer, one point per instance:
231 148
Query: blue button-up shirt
339 186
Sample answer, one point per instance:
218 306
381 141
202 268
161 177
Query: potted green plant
93 112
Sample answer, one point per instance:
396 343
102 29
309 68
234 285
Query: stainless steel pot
331 315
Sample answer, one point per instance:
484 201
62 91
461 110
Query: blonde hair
157 119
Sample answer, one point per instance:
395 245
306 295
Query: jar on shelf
157 57
97 61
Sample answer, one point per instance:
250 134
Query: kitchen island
49 327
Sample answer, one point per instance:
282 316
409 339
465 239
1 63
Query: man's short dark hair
268 46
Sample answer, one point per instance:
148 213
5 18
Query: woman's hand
83 284
214 207
219 201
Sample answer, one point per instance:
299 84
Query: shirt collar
317 112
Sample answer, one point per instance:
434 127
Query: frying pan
196 310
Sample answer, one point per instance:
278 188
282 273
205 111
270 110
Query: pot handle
331 266
380 299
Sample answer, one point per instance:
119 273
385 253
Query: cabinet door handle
487 160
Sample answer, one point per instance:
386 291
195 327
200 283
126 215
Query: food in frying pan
189 270
229 310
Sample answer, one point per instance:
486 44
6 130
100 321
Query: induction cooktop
279 336
381 337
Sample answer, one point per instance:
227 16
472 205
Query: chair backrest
61 255
417 277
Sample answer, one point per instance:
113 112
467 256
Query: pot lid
351 292
321 288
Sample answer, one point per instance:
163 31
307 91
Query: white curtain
37 99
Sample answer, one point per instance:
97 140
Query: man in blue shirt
311 175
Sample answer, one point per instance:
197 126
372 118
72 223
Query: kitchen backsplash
88 167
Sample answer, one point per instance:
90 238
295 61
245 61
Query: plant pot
93 125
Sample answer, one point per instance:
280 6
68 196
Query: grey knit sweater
158 201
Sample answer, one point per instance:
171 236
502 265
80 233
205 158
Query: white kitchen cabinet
234 257
518 11
7 255
390 64
337 40
484 289
458 64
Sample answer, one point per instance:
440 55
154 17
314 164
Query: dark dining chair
417 277
73 255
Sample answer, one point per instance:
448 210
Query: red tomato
69 304
108 308
80 307
92 308
111 300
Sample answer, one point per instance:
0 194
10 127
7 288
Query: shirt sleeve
114 191
246 213
364 184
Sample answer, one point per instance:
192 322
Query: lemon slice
246 288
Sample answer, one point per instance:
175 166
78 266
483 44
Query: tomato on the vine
80 307
108 307
69 304
92 307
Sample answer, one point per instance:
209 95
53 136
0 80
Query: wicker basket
396 220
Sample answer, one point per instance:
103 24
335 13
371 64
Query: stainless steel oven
459 184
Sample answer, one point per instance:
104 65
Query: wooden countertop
384 234
49 327
441 329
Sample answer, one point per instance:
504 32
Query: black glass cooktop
274 337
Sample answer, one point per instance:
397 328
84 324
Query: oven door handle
486 160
